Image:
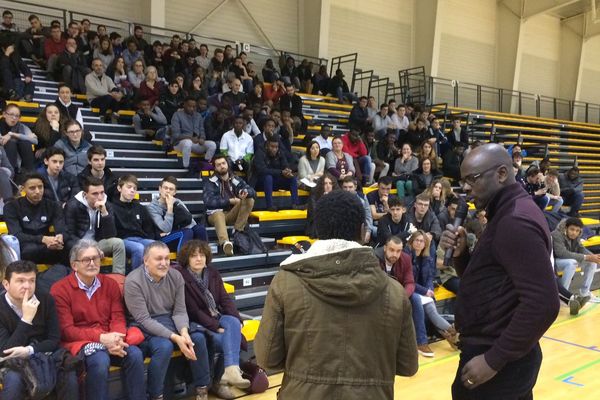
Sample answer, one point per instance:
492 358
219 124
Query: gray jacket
183 124
163 220
75 158
565 247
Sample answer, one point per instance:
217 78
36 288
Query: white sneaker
228 248
594 299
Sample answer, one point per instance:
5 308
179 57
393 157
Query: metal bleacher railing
421 88
259 54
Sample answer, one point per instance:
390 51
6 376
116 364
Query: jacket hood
339 272
562 229
79 197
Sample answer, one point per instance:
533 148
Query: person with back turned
327 308
507 296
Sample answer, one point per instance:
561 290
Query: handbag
259 381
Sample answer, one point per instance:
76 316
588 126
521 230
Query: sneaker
574 305
425 350
202 393
593 298
233 376
222 391
582 299
114 118
228 248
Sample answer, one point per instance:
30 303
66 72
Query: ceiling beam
533 8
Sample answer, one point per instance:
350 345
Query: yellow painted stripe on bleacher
283 193
317 96
540 130
123 113
326 111
24 104
291 240
334 105
279 215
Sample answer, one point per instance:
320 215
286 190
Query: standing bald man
508 296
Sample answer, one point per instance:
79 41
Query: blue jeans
341 95
14 386
573 199
418 316
270 182
132 374
134 248
541 201
556 204
229 341
160 349
568 267
364 163
183 236
12 242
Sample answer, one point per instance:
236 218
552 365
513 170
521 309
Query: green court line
439 361
579 369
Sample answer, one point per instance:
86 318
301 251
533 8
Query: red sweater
51 47
354 149
402 271
83 321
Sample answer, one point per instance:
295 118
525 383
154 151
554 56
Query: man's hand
221 330
49 241
111 339
17 352
170 202
476 372
384 199
454 238
5 139
200 141
595 258
185 344
234 200
429 293
243 194
29 307
100 205
287 173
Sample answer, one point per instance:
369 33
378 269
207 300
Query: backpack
248 242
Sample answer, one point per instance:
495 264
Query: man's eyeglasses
473 178
12 115
88 260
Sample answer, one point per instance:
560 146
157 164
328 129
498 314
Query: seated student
96 156
311 165
187 133
378 199
93 327
534 185
171 100
102 93
269 127
6 174
271 171
209 305
424 272
571 190
424 176
404 167
324 185
29 325
29 219
89 216
238 146
337 162
359 116
74 66
60 185
382 123
48 129
132 219
172 218
452 160
422 217
398 265
75 147
395 222
68 109
11 68
228 200
17 139
570 253
150 121
437 197
323 139
553 193
155 298
349 184
355 147
457 133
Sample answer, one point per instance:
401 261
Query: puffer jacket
216 199
565 247
337 302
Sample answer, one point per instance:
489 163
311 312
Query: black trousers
15 148
38 253
513 382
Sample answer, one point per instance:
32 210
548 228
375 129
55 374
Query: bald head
486 170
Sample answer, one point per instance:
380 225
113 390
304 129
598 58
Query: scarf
202 281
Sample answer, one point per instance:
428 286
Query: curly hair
318 190
42 127
190 248
339 215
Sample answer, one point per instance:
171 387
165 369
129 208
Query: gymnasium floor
570 369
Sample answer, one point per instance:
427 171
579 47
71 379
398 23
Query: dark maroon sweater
508 295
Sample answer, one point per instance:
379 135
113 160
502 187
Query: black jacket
133 219
109 179
77 220
293 104
68 187
387 227
215 198
264 164
29 222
